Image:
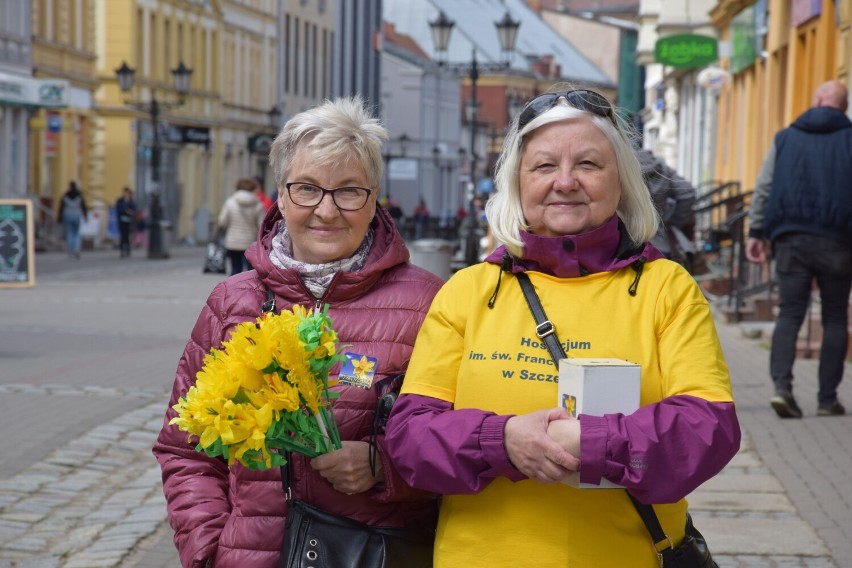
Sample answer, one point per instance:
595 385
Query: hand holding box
598 386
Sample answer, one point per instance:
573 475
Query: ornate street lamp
126 77
507 32
404 139
275 115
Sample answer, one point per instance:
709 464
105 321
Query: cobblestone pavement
89 493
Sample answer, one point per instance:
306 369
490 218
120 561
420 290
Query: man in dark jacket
127 213
803 205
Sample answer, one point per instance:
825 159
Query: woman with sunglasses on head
326 242
478 418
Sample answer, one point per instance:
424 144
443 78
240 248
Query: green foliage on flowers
266 392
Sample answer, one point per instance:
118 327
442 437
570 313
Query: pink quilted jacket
235 518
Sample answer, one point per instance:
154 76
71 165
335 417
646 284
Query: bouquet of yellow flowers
266 389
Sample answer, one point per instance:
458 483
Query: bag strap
544 327
268 307
662 542
545 331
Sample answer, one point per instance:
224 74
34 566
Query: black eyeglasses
583 99
310 195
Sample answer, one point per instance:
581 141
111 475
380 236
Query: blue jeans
799 259
71 223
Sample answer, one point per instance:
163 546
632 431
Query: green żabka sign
686 50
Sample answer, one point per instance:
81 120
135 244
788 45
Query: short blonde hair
504 211
336 131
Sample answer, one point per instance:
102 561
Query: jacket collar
603 249
387 251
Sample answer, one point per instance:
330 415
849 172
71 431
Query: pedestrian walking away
240 219
802 205
72 213
421 219
327 242
128 215
480 418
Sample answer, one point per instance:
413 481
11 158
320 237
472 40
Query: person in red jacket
327 242
261 194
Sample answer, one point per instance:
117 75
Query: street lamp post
126 76
507 31
275 114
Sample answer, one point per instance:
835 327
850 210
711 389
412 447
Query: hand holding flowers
267 389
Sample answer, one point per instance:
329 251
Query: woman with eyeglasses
478 418
326 242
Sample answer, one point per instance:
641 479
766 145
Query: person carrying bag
327 245
479 419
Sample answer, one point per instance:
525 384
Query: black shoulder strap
649 517
544 327
546 332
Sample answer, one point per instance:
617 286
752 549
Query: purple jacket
462 452
236 517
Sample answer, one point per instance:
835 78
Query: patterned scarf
316 277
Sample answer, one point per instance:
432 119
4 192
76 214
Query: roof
535 37
403 41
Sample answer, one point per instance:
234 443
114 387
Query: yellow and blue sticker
570 404
358 371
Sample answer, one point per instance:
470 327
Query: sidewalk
97 501
785 498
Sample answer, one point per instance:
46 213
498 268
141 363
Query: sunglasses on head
582 99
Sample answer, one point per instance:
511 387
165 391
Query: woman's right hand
533 452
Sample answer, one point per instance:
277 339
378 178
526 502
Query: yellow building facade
63 48
254 63
152 139
779 51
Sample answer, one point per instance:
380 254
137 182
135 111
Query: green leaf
241 397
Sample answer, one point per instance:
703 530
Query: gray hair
337 130
504 212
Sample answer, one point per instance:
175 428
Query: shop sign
402 169
713 78
260 144
50 143
17 255
803 10
52 93
686 50
27 91
54 123
195 135
744 36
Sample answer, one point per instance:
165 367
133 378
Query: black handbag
318 539
314 538
692 552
